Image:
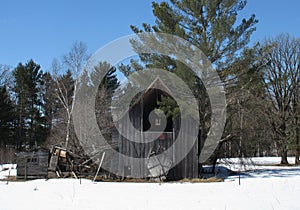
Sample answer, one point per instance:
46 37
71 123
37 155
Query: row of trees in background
262 83
36 107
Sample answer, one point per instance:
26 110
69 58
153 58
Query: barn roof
25 154
157 84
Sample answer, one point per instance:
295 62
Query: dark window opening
32 160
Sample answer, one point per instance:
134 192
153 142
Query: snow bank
7 170
271 193
266 188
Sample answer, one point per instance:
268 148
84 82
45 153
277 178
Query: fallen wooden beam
99 166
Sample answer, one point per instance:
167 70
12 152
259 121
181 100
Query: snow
262 187
7 170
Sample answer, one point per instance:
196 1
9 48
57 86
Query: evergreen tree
28 91
7 118
90 85
105 92
210 25
50 102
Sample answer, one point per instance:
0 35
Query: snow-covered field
262 187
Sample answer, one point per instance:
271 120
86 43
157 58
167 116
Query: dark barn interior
149 123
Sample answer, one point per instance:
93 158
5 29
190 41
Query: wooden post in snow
99 166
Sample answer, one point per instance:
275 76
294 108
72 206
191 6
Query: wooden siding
183 165
135 147
32 164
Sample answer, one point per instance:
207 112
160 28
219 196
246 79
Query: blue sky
42 30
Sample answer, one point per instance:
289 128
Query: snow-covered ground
7 170
262 187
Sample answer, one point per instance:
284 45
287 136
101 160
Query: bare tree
247 131
282 77
74 61
5 77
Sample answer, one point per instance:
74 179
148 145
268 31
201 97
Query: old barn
32 164
161 155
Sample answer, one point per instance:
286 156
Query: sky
44 30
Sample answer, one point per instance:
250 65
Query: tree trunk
216 156
284 155
68 131
297 149
283 147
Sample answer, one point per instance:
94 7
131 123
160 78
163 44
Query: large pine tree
28 91
7 118
210 25
105 92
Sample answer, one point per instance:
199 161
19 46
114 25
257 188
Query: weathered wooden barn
32 164
142 115
64 163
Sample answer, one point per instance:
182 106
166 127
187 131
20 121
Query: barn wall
187 168
28 167
131 148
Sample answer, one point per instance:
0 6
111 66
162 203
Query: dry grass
279 164
209 180
126 180
129 180
10 179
